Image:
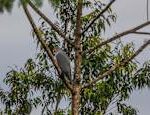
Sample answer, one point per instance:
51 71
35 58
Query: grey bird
63 62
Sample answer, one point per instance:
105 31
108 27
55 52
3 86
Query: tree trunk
76 99
78 61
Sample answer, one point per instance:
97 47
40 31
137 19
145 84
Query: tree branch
61 33
142 33
118 36
100 14
44 45
123 63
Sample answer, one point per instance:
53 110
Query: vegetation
104 73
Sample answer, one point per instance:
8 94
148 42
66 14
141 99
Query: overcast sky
17 45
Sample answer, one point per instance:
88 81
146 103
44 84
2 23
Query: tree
105 74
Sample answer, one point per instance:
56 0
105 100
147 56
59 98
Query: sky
17 44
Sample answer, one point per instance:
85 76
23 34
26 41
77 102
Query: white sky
17 45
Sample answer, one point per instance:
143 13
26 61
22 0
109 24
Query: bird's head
56 49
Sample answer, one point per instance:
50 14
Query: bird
63 62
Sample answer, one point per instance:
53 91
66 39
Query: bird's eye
54 51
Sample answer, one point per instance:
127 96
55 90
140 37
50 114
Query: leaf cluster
30 87
114 89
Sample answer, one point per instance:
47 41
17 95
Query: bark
76 99
78 60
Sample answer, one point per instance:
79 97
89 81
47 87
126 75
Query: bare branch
142 33
118 36
61 33
44 45
123 63
100 14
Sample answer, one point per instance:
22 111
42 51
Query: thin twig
61 33
147 9
123 63
44 45
142 33
100 14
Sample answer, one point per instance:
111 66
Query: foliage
34 85
30 87
6 5
115 88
